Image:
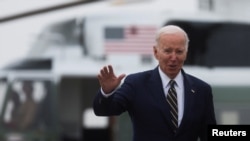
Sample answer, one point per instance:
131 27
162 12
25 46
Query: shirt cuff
107 95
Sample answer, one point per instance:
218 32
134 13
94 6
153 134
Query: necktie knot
171 83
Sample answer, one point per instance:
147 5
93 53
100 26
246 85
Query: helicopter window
217 43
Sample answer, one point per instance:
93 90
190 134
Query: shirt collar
165 79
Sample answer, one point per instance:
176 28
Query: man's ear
186 55
155 52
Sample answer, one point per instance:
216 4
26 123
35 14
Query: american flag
131 39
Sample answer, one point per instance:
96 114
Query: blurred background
52 51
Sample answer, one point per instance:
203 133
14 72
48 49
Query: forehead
172 40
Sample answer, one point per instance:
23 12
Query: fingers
104 74
107 70
108 80
110 69
100 79
103 71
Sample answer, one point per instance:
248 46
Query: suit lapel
189 93
156 90
155 86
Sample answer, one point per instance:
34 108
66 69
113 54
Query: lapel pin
193 91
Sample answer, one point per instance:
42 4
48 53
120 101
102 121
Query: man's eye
167 51
179 52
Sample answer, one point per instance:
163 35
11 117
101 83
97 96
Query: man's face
171 53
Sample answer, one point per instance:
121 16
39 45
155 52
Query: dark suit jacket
142 96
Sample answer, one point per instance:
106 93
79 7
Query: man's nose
173 56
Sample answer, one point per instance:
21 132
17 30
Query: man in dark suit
144 95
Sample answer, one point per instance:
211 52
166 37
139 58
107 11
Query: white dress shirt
179 90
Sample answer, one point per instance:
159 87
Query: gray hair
170 29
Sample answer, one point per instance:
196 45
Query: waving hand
108 80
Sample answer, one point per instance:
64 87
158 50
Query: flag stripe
139 40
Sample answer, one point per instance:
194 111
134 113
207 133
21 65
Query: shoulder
195 80
140 76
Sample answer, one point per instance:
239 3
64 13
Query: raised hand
108 80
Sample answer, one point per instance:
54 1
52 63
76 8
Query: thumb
120 77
